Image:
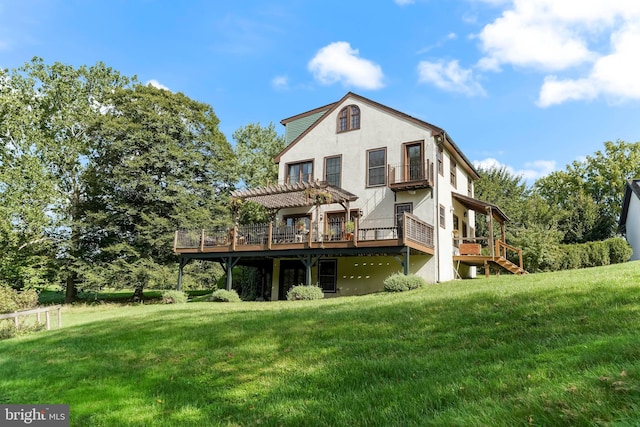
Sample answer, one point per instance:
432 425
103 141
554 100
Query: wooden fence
36 311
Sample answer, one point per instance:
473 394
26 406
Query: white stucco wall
633 227
380 129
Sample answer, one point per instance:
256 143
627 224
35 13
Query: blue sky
529 84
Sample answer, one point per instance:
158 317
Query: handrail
498 252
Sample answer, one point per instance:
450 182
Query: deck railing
337 230
411 173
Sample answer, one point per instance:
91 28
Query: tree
256 149
47 113
591 192
500 187
159 163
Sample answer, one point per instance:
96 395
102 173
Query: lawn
545 349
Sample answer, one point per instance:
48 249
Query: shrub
9 330
222 295
303 292
398 282
11 300
619 250
174 297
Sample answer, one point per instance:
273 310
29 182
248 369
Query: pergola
299 194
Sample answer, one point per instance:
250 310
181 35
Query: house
363 191
630 216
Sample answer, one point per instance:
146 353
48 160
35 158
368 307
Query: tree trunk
138 293
71 293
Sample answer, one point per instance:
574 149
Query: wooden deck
268 238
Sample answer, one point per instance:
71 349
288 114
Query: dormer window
349 118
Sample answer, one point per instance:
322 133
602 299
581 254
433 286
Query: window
470 187
328 274
454 174
349 118
456 230
442 217
300 172
332 170
440 156
401 208
376 161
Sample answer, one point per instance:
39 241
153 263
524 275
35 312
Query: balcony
378 233
410 177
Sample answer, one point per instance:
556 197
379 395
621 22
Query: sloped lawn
547 349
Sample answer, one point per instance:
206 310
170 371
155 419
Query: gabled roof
441 135
633 188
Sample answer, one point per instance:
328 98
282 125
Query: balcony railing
269 236
404 177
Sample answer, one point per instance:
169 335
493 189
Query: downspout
437 207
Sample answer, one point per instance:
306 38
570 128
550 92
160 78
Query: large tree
159 163
45 118
256 148
590 192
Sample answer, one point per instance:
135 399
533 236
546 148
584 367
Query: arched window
349 118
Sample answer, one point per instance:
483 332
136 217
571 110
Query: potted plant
349 227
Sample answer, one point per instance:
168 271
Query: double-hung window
332 170
300 172
376 166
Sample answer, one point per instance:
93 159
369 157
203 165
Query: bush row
593 254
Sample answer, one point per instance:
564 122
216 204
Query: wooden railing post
234 231
270 235
175 240
202 237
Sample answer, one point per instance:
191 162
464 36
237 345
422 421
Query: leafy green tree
256 147
504 189
159 163
589 193
45 120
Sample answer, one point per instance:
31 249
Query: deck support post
308 261
404 261
182 263
227 265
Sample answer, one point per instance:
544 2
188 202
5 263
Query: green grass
545 350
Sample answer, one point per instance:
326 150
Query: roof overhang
481 207
299 194
633 188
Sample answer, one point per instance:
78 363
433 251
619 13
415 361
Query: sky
531 85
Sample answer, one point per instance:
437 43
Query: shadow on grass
547 356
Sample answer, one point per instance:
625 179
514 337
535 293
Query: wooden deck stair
509 266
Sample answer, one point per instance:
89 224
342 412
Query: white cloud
596 41
612 75
530 172
404 2
338 62
157 85
450 77
280 82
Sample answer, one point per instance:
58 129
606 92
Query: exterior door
292 273
413 162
